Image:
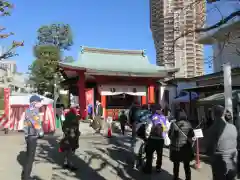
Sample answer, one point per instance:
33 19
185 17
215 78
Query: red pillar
151 94
81 94
144 99
103 102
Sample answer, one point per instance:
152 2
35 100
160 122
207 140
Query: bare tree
229 38
5 10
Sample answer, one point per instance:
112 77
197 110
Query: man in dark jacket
99 116
181 135
70 141
123 121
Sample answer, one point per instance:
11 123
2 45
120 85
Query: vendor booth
18 105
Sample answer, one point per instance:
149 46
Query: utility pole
227 86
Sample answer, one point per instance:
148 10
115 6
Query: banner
89 99
7 102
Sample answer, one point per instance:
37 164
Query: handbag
167 140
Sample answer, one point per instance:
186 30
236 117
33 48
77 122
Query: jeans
187 170
30 155
153 145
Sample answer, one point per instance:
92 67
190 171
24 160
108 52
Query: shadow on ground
48 152
121 154
113 158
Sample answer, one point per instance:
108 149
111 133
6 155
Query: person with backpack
182 137
155 132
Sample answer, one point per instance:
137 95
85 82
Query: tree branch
216 25
9 52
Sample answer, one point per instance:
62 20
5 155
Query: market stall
18 105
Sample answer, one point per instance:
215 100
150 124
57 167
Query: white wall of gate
110 90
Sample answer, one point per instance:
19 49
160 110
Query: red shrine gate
111 73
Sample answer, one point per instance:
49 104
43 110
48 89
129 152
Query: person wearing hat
156 130
32 130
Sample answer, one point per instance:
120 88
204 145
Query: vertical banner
7 103
89 100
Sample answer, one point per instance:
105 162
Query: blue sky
122 24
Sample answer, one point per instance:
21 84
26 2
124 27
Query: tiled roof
111 60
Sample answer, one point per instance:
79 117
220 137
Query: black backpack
157 130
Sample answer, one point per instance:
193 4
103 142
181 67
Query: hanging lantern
134 90
113 90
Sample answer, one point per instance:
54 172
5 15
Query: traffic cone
109 132
60 150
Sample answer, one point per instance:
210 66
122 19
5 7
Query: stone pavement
98 158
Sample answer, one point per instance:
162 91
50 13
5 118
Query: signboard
198 133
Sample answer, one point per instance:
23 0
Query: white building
172 89
226 44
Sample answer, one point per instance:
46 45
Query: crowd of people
150 133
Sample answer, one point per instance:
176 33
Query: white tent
23 99
186 97
19 102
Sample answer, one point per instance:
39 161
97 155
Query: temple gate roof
134 62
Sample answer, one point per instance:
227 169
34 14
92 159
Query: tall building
168 20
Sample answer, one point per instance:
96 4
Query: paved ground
98 158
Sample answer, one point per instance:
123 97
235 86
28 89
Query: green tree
59 35
5 10
45 67
52 41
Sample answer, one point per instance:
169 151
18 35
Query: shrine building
116 78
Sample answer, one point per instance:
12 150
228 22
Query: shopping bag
167 140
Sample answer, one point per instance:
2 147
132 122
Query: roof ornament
143 53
